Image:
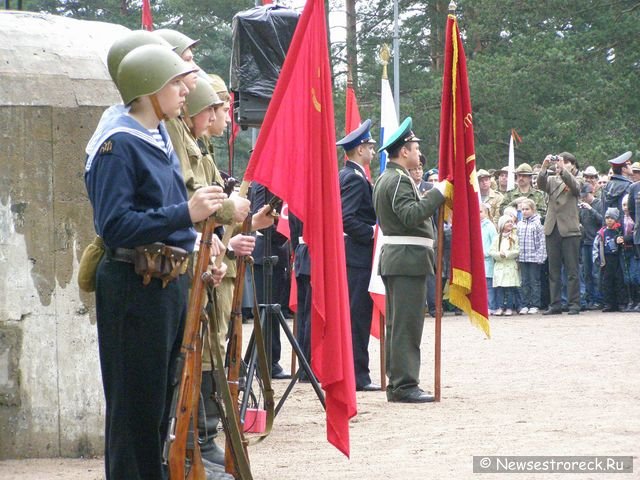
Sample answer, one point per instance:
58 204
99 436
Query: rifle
234 351
188 373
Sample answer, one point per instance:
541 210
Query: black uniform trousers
303 317
139 336
613 288
361 307
278 284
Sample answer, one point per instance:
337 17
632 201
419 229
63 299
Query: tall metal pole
396 59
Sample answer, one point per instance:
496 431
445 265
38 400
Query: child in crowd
533 253
610 243
489 233
628 255
506 278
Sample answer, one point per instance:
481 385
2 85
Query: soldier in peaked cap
359 219
406 258
619 183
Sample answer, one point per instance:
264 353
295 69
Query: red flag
295 158
147 19
468 287
235 128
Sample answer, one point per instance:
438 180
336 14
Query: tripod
268 312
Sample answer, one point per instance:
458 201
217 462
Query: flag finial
384 56
452 7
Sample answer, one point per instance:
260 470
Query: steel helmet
218 83
202 97
177 40
146 69
128 42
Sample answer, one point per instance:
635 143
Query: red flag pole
438 322
147 19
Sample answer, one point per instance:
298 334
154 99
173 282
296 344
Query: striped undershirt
155 133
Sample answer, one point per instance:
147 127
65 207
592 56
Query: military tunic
537 196
404 266
359 219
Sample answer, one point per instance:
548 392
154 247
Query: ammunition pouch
158 260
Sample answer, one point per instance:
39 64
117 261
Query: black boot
208 420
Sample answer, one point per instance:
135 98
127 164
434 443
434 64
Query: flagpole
384 56
439 286
396 58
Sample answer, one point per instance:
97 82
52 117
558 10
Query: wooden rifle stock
235 354
189 370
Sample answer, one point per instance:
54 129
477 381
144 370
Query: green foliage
562 73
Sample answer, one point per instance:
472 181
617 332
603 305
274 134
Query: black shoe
278 373
412 396
610 308
573 311
552 311
370 387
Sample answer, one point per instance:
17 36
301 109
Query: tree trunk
438 10
352 47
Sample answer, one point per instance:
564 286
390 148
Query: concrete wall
54 86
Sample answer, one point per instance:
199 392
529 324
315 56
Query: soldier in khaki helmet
489 196
525 189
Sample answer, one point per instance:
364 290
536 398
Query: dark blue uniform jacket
136 189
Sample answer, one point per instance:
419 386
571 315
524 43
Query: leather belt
125 255
408 240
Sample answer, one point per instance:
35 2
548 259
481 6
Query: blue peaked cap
359 136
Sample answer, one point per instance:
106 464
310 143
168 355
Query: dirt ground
557 385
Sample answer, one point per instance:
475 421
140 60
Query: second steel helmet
202 97
146 69
177 40
128 42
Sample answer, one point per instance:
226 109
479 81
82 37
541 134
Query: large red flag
468 287
147 19
295 157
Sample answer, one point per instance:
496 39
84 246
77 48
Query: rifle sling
228 413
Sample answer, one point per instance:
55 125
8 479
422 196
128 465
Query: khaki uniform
404 266
494 200
199 170
537 196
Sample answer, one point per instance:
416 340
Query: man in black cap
619 183
406 258
359 219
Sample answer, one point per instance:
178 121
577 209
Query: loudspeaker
260 39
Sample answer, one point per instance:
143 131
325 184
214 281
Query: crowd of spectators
563 239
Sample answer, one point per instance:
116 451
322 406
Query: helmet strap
157 108
187 120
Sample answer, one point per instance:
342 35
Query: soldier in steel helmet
135 186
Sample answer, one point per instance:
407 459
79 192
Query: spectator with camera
562 229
